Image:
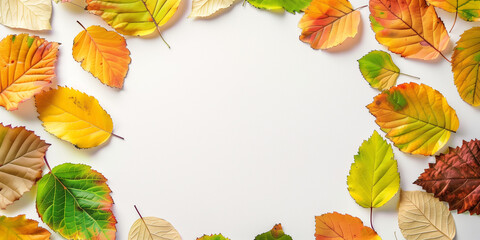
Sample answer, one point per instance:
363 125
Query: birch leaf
421 216
336 226
153 228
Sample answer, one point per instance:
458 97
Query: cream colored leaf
21 161
205 8
422 216
28 14
153 228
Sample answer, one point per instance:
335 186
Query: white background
239 126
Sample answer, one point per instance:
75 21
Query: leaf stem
46 163
81 25
146 226
115 135
156 24
371 219
408 75
244 1
360 7
395 234
454 21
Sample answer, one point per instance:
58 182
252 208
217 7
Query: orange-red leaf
328 23
408 27
336 226
26 66
103 53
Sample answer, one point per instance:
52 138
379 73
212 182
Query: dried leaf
421 216
21 161
328 23
455 178
28 14
336 226
409 28
291 6
153 228
275 234
374 177
379 70
205 8
465 66
416 118
27 65
134 17
74 200
20 228
102 53
74 116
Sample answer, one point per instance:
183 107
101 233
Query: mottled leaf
27 65
275 234
416 118
328 23
74 200
289 5
379 70
213 237
468 10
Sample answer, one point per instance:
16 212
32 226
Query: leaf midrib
428 219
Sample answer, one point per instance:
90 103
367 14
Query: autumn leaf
468 10
28 14
205 8
465 66
328 23
213 237
275 234
134 17
421 216
336 226
21 228
27 65
21 161
291 6
74 200
416 118
379 70
455 178
409 28
374 177
152 228
74 116
102 53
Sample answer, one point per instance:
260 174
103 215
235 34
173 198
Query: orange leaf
27 65
102 53
328 23
409 27
336 226
14 228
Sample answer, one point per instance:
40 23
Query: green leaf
379 70
374 177
291 6
75 201
275 234
213 237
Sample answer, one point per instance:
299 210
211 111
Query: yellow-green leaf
74 117
416 118
134 17
465 66
374 177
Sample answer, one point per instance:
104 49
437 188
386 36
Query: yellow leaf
328 23
103 53
74 116
28 14
415 117
26 66
205 8
134 17
374 177
21 161
20 228
421 216
465 66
